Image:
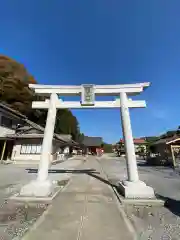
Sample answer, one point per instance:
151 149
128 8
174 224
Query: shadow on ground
171 204
91 172
81 171
145 164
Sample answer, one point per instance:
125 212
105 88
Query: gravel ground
15 219
151 222
154 222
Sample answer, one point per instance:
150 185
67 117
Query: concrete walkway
85 210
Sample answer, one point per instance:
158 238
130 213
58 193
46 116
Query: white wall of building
17 154
19 157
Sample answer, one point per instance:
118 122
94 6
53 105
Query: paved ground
15 219
86 209
151 222
13 176
163 179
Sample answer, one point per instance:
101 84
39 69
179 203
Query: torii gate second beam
133 187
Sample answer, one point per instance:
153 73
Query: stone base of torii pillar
136 190
133 187
38 189
43 186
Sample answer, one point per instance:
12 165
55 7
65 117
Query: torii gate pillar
133 187
43 186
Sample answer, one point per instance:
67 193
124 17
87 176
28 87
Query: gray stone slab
85 210
18 198
102 221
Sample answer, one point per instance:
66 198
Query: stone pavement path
85 210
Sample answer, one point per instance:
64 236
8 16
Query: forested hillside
14 90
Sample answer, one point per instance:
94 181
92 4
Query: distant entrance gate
133 187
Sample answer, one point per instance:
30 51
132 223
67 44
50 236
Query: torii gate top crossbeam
70 90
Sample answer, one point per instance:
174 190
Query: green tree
14 91
80 137
107 147
66 123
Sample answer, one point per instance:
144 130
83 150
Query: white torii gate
133 187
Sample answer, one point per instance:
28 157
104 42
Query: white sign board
87 95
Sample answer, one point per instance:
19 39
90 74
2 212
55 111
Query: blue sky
101 42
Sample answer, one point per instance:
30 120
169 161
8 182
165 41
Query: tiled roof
63 138
167 140
92 141
9 109
136 141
